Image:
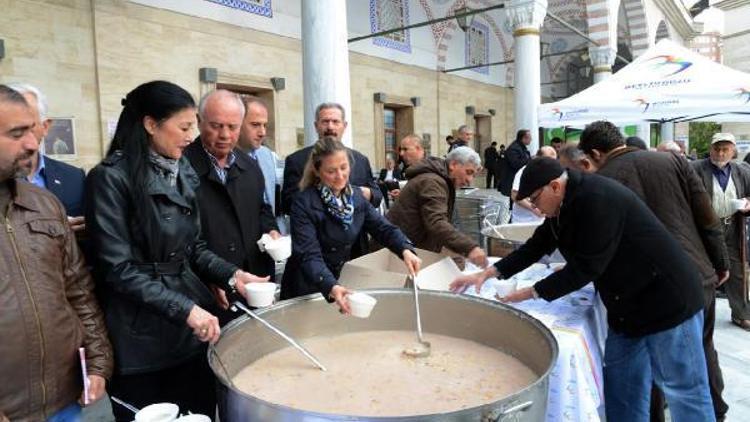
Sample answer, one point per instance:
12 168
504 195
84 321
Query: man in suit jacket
516 156
330 120
233 213
66 182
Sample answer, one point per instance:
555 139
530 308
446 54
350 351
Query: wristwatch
232 283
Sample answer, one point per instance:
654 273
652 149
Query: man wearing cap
728 185
651 288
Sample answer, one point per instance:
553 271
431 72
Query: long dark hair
158 99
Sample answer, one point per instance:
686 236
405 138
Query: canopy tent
668 83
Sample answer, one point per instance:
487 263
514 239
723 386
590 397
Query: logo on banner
642 102
568 115
671 64
744 94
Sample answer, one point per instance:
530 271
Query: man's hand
97 388
274 234
366 193
244 277
412 262
339 293
478 257
518 296
722 277
77 224
394 193
460 284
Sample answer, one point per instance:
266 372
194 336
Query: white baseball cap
723 137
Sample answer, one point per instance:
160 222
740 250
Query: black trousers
490 176
715 379
191 386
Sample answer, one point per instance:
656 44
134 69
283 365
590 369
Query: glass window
389 124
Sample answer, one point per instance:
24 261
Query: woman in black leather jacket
150 263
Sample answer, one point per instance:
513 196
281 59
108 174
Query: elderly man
252 136
46 295
233 212
330 120
573 158
675 194
464 139
728 185
63 180
649 285
523 210
424 208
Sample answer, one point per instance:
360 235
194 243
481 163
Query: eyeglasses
535 197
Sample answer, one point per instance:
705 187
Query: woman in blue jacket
327 217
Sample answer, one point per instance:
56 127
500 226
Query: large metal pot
490 323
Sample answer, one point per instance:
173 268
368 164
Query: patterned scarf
341 209
164 167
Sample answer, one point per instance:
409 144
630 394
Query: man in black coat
490 163
674 192
330 120
516 156
651 288
233 213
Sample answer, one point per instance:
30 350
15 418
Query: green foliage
700 136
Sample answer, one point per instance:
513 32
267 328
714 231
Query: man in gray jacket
675 194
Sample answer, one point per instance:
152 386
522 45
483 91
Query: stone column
602 58
526 17
325 61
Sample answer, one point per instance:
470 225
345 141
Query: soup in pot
369 375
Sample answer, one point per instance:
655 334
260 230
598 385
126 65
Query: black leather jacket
150 264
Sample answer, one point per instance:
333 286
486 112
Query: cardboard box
383 269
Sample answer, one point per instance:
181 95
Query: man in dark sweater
516 156
676 195
651 288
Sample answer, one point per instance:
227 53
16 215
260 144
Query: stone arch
597 21
447 28
662 32
635 14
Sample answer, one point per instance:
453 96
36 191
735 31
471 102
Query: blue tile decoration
262 7
403 46
467 47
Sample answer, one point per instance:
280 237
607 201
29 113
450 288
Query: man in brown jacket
425 206
675 194
46 294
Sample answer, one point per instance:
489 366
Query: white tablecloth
578 322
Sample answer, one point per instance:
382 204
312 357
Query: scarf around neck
342 209
167 168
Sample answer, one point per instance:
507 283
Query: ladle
422 348
238 305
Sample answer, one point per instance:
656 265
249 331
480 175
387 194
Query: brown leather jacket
48 309
424 208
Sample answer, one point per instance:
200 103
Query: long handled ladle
422 348
238 305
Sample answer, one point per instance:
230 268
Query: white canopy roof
666 83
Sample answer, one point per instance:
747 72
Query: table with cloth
578 322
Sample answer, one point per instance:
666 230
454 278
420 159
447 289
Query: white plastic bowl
193 418
260 294
280 249
158 412
505 287
361 304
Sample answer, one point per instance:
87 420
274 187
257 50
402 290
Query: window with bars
389 125
390 14
477 46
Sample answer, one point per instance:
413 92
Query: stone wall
86 56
